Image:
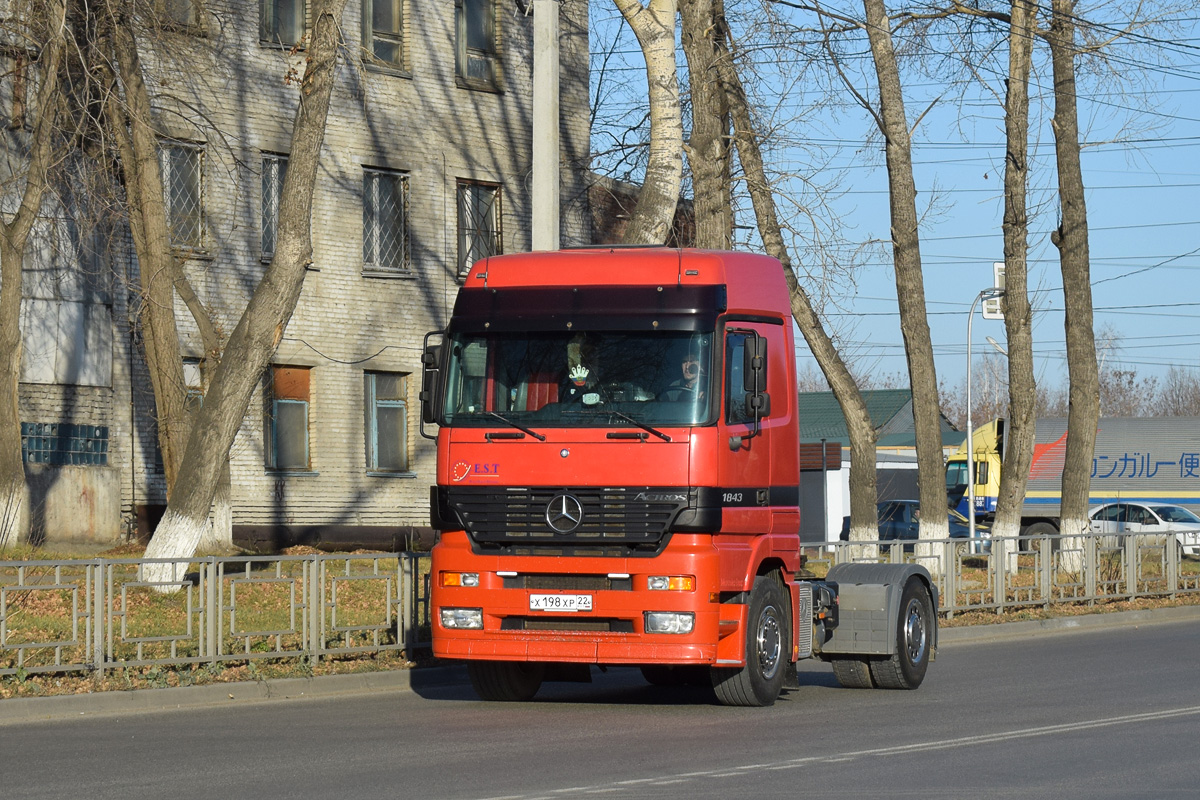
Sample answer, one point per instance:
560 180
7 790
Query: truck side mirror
431 389
754 379
754 364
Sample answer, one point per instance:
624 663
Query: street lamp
986 294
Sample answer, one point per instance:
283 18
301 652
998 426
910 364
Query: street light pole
986 294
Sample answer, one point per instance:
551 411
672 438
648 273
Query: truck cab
618 471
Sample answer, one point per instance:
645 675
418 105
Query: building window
282 21
274 168
476 42
64 444
387 422
385 222
183 184
287 419
478 223
383 31
180 13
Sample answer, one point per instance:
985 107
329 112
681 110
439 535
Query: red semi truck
618 484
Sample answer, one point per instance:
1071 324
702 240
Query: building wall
232 95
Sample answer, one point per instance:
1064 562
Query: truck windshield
614 379
956 475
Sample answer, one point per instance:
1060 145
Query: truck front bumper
613 631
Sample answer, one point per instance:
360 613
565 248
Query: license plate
560 602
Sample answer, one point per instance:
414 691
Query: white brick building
426 165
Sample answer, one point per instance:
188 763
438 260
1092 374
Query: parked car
1119 519
901 520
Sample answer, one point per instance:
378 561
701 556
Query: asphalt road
1084 714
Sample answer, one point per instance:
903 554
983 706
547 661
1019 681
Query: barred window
385 222
287 421
476 42
183 185
282 21
383 31
274 168
387 421
478 223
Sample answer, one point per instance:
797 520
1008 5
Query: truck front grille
604 520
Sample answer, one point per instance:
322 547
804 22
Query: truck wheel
675 675
768 647
853 673
914 640
1041 529
506 681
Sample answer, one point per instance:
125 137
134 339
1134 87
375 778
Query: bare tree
28 159
703 30
1071 239
893 123
862 434
654 27
1180 394
260 328
1018 314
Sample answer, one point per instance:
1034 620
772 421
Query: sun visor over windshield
626 308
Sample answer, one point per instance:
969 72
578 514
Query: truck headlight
460 579
462 618
669 622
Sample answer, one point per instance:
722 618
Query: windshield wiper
640 424
518 426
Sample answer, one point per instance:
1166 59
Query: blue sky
1141 169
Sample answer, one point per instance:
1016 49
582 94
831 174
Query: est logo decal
462 470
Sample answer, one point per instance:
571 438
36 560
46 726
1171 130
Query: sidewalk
35 709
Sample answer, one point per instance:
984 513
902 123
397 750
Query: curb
1084 622
41 709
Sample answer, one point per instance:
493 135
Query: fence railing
1038 571
98 615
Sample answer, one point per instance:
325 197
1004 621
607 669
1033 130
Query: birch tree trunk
14 239
1071 239
654 27
261 326
910 286
1018 317
863 479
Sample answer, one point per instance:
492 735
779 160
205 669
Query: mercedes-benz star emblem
564 513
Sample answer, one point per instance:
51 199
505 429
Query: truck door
744 446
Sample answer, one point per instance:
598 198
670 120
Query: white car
1123 518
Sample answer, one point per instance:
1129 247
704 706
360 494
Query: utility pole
545 184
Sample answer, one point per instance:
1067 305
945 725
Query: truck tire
768 649
506 681
853 673
914 641
1040 529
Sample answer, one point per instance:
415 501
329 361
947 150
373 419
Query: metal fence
1039 571
98 615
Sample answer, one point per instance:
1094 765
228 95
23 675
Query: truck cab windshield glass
580 379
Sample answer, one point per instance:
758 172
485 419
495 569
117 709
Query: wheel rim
914 631
770 642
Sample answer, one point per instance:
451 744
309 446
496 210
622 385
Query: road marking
919 747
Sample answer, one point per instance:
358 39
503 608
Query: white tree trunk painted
14 514
175 534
